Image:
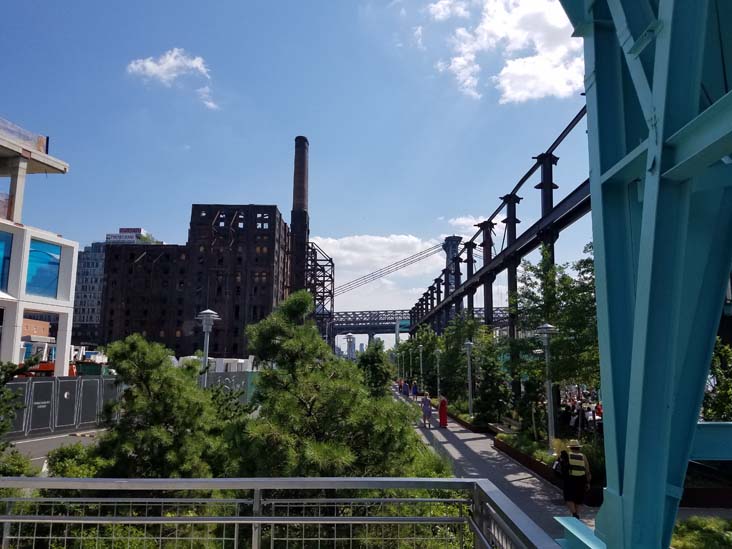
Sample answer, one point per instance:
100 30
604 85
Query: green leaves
375 367
319 415
168 426
718 397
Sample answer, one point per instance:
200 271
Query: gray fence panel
110 391
41 405
67 391
89 400
68 403
233 381
20 388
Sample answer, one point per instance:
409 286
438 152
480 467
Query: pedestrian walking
443 411
426 411
575 471
414 390
405 389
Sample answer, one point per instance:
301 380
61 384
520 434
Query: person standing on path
426 411
414 390
575 470
443 412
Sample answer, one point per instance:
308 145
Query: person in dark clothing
575 471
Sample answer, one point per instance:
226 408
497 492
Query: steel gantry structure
660 137
444 298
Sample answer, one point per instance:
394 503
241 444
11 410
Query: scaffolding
320 282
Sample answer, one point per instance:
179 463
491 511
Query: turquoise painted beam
662 226
713 442
578 13
578 535
701 142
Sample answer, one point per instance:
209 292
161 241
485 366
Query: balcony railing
262 512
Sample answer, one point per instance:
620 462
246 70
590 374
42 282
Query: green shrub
702 533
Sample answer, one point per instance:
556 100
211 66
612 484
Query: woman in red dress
443 411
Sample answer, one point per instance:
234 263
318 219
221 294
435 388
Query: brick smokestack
300 179
299 219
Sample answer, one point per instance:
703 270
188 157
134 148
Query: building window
43 267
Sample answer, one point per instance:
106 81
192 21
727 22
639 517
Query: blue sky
417 112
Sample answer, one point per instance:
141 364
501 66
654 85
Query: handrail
492 511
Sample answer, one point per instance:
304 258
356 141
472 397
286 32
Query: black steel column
470 262
438 316
457 277
447 292
487 228
547 186
511 221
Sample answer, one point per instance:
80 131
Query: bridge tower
660 137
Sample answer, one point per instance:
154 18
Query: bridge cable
385 271
368 278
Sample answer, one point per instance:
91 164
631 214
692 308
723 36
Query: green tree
316 416
167 425
12 462
718 397
9 403
376 368
550 294
493 394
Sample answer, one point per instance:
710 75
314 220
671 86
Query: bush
74 461
14 464
702 533
595 453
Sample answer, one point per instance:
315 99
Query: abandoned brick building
240 260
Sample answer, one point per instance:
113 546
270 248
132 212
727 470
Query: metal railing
262 512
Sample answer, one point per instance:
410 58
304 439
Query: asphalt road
37 448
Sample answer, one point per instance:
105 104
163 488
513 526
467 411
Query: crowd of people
577 417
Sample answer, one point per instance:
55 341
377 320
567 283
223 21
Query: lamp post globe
207 318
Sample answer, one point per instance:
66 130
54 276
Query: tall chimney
299 219
300 179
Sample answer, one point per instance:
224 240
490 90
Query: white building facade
37 267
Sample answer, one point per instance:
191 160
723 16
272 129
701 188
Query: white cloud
540 58
465 224
417 35
204 94
446 9
169 66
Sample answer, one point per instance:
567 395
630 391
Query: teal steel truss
660 137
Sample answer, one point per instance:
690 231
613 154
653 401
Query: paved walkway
473 455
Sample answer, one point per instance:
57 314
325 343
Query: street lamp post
468 349
207 318
547 330
411 367
437 359
421 370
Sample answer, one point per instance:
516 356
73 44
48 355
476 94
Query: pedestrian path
473 455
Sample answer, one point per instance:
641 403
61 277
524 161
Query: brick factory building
240 260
